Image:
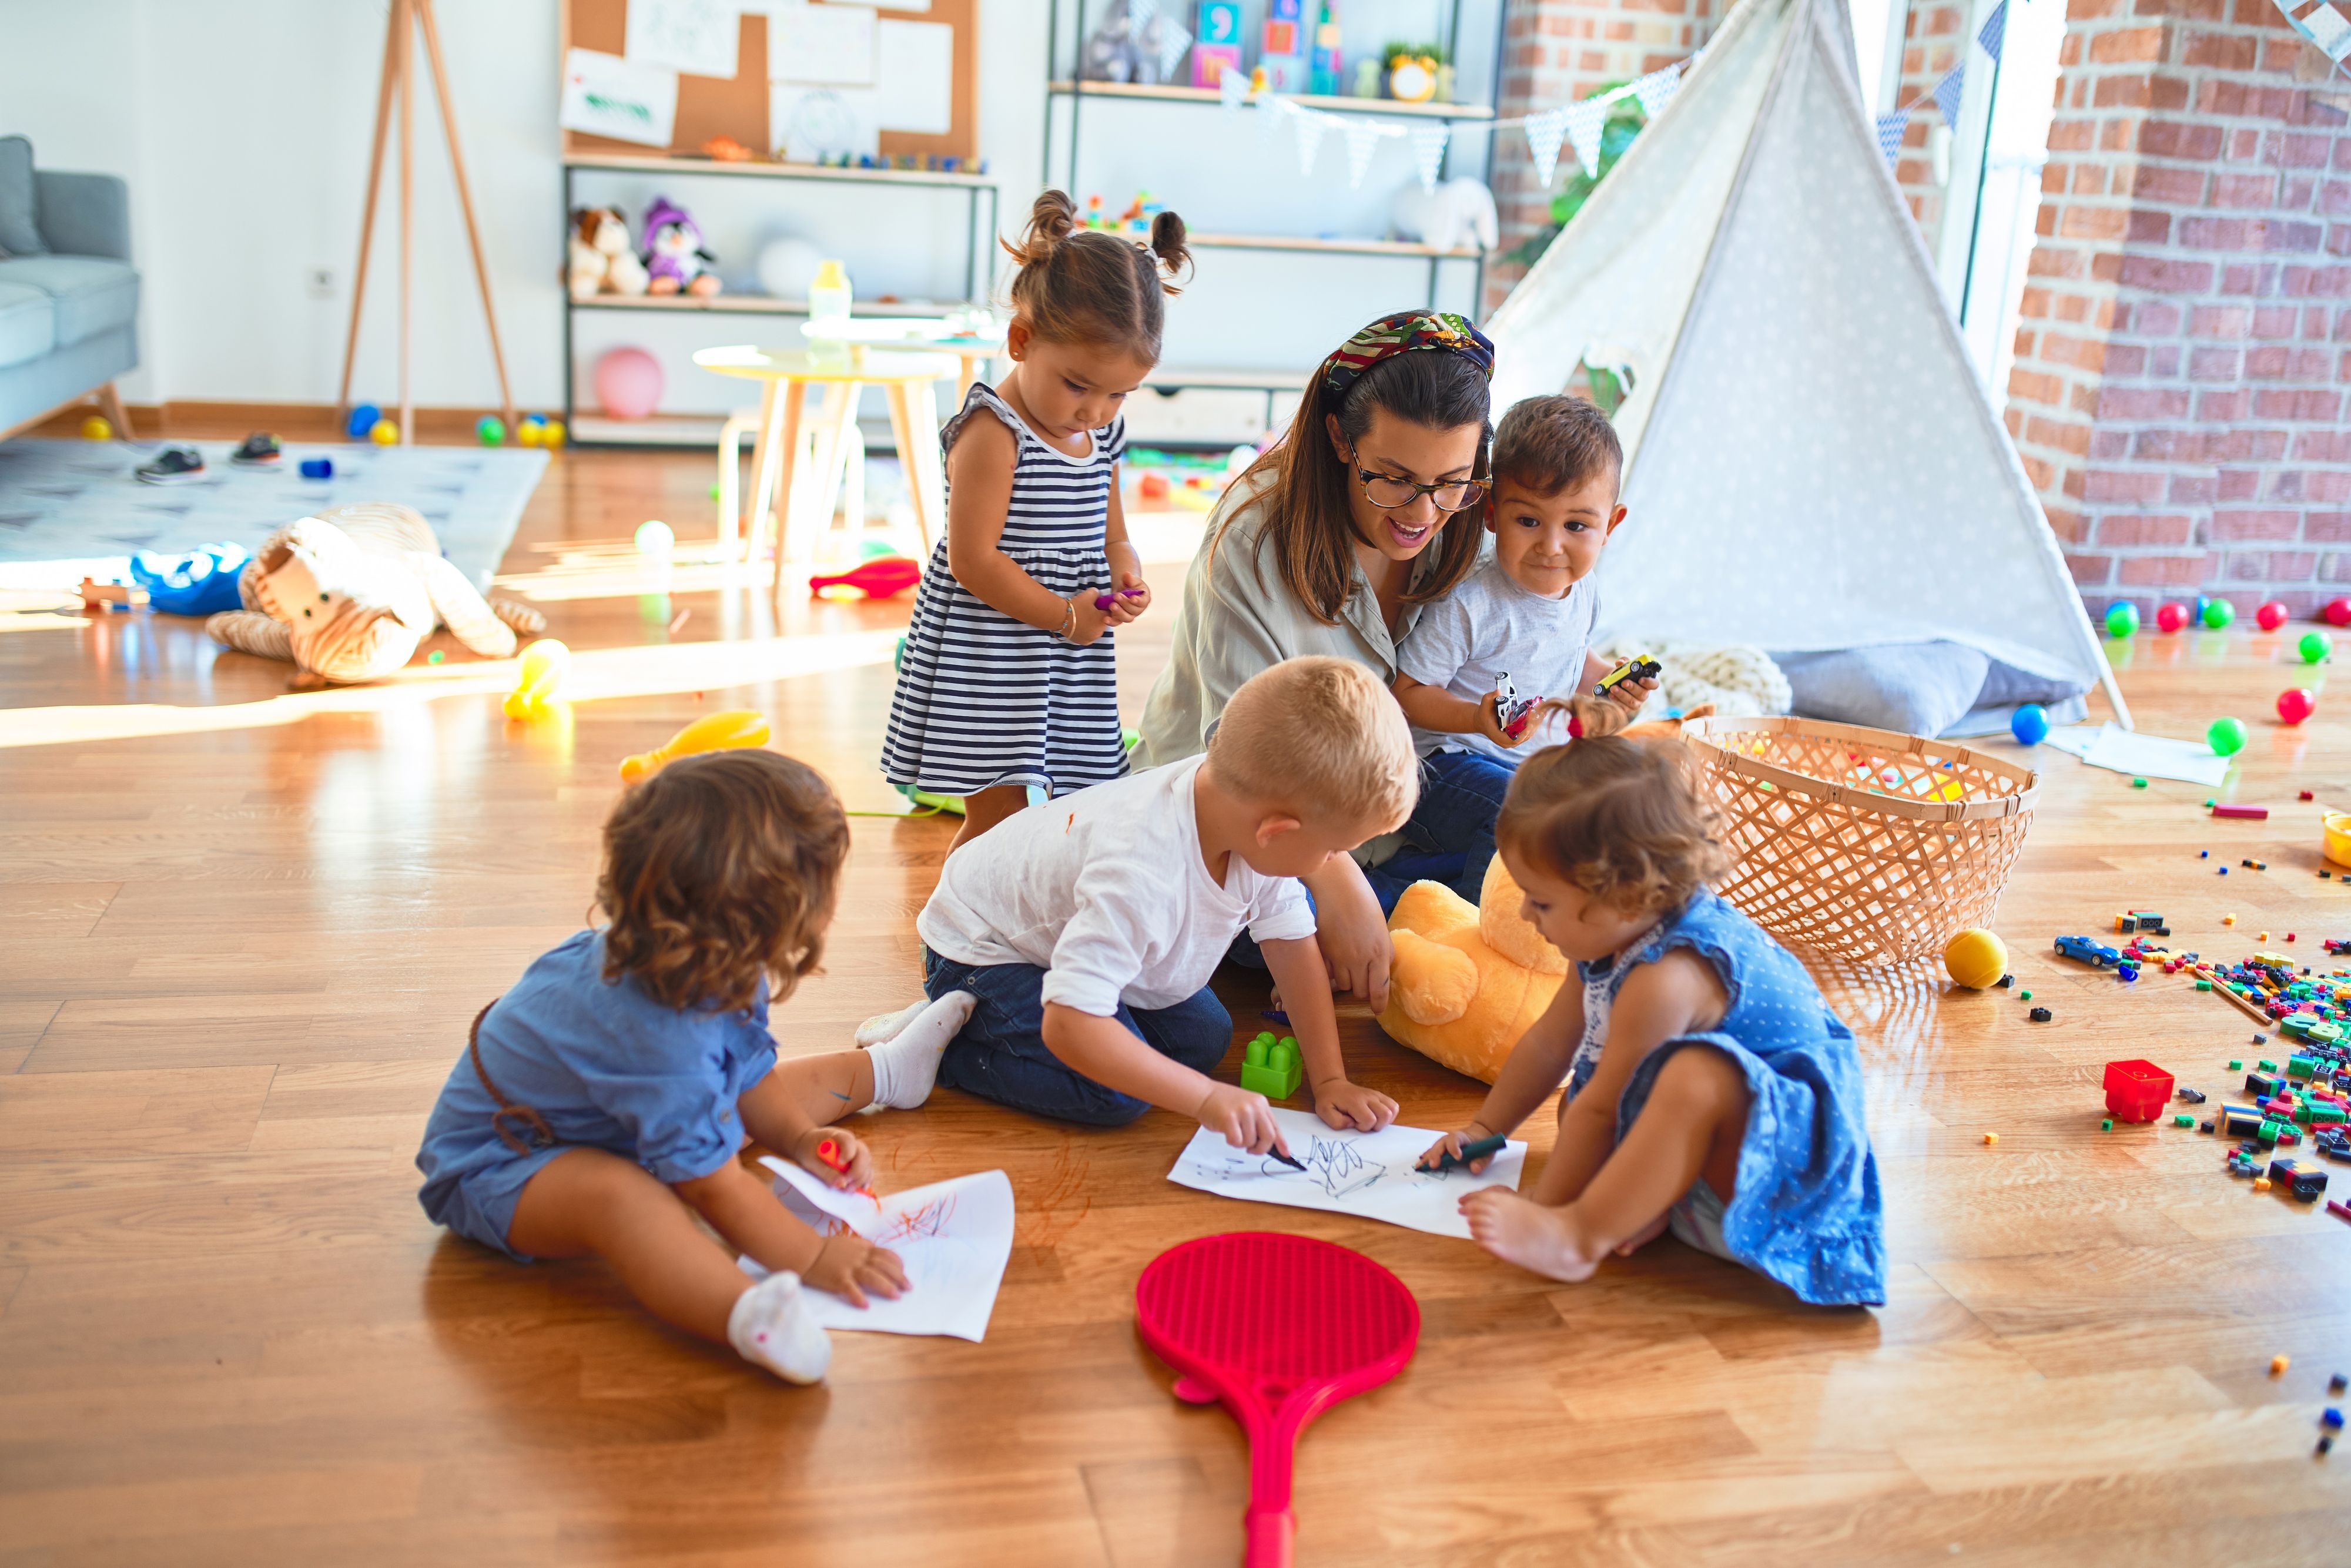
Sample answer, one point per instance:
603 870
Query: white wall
242 128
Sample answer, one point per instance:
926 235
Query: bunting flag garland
1363 138
2325 27
1947 93
1428 150
1995 30
1232 87
1308 127
1657 86
1890 130
1544 132
1584 121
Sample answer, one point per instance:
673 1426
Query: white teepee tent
1811 462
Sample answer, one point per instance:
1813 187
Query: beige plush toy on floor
349 594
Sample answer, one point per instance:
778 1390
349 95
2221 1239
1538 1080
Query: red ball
2270 615
2172 617
2338 612
2295 704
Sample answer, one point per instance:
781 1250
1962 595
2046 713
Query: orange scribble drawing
918 1224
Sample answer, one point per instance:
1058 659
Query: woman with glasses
1369 508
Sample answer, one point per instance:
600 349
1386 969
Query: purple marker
1104 601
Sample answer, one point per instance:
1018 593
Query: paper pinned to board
696 36
953 1237
914 77
1369 1175
2141 756
604 95
810 123
826 45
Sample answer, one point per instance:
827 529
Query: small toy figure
674 260
1509 708
599 260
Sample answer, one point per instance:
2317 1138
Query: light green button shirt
1238 617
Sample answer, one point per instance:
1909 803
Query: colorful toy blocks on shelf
1271 1067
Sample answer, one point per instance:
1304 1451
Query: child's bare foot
1522 1232
1643 1237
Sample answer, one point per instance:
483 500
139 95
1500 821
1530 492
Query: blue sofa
68 294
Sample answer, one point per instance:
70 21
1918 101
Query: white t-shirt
1107 891
1490 626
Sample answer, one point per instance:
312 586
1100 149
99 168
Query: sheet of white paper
813 122
953 1237
2142 755
820 43
696 36
914 77
1366 1174
605 95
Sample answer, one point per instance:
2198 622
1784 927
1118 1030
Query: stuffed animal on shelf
347 595
1457 216
599 259
1468 983
675 259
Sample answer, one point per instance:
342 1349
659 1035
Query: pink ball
2338 612
628 383
2270 615
2172 617
2295 704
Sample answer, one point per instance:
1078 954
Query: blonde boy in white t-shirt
1088 926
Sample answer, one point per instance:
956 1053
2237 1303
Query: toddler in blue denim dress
1710 1090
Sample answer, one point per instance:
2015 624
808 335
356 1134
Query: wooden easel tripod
409 18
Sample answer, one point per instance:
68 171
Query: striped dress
983 699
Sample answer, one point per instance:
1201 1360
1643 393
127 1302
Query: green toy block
2236 1063
2183 1121
2105 1123
2269 1067
2203 984
2301 1066
1271 1067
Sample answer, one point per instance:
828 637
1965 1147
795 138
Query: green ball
491 429
2218 614
2122 618
2227 737
2314 647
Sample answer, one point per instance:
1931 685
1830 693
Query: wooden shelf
769 168
1227 381
1303 99
748 305
1325 246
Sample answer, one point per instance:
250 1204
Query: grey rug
67 508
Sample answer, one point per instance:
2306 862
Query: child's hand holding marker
837 1156
1454 1150
1245 1119
1133 598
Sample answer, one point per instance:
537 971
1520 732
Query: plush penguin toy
675 259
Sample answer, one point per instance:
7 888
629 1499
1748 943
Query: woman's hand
848 1265
1352 933
1342 1102
855 1166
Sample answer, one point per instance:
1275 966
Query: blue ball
2031 724
362 421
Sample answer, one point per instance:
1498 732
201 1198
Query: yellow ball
1976 959
385 434
552 436
96 428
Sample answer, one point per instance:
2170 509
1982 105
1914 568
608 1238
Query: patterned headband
1401 334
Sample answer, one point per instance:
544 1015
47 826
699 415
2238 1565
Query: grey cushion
1917 688
92 295
27 323
20 233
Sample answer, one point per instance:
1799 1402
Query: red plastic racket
1277 1329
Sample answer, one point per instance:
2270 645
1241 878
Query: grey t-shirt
1490 626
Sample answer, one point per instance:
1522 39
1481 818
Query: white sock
906 1064
771 1326
885 1026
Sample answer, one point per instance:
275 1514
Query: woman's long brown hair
1309 493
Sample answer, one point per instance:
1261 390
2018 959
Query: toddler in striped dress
1008 678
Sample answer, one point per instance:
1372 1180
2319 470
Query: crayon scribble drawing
926 1221
1372 1174
953 1236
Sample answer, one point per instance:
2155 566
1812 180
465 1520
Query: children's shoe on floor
771 1326
907 1062
176 465
260 451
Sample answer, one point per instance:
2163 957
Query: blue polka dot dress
1807 1211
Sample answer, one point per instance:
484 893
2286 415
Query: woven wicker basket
1861 843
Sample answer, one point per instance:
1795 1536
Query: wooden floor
241 934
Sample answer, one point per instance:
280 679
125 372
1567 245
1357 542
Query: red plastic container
2136 1090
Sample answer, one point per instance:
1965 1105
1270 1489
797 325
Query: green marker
1475 1149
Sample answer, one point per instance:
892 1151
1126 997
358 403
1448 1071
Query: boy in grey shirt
1527 612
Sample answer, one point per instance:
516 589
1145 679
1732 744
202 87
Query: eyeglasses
1389 492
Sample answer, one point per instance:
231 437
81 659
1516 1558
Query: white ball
1240 458
787 267
655 537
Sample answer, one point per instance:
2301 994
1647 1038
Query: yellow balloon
1976 958
712 732
544 664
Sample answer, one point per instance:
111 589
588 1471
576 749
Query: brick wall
2184 350
1555 52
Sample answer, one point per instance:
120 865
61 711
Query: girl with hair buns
1008 679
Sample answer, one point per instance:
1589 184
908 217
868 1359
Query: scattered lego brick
2039 1015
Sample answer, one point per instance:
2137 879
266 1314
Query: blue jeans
1000 1054
1460 795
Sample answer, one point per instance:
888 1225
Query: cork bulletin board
708 107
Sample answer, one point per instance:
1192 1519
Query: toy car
1635 668
2095 953
1511 709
